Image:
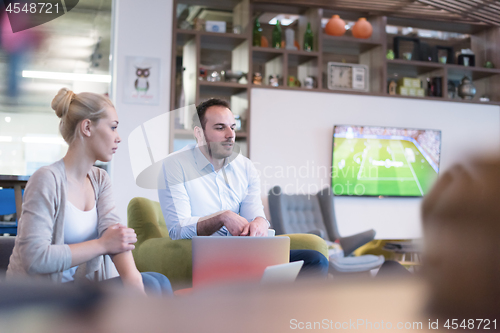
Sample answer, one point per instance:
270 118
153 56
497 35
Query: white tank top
79 226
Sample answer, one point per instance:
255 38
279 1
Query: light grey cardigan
39 249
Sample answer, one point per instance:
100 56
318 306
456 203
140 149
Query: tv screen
384 161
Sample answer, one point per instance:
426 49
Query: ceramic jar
466 89
362 29
335 27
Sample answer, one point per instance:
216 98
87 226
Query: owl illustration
141 83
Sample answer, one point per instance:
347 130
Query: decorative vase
257 33
308 38
276 37
264 42
466 89
290 39
362 29
335 27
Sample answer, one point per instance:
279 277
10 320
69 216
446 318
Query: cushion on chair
307 242
356 264
292 214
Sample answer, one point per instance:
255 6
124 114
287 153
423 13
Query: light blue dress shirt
189 188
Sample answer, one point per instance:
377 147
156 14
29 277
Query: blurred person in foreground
461 221
69 219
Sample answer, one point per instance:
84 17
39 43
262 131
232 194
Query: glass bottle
277 36
308 38
257 33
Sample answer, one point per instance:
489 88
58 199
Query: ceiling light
285 20
5 139
41 139
67 76
8 119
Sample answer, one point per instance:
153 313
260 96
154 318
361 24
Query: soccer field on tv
380 167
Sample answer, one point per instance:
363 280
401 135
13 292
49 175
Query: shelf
184 37
445 99
235 51
296 59
348 45
284 51
223 88
412 68
456 72
183 133
221 41
211 40
209 33
456 43
265 54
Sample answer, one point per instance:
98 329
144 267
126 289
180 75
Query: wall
139 30
291 142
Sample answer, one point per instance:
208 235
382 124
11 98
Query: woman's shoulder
99 175
48 174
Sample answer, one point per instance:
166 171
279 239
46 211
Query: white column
142 29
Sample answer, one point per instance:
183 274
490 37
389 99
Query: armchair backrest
325 199
146 218
297 213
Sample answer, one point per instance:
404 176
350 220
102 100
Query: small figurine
390 54
257 79
489 64
391 89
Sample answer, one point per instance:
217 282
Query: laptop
224 260
284 273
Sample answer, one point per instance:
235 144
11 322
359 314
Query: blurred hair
73 108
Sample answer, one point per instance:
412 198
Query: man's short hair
199 118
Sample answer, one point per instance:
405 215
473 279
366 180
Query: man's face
219 131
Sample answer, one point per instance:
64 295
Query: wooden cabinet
199 56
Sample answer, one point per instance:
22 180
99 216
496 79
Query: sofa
155 251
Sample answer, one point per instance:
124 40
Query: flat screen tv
384 161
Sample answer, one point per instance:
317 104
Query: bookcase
197 53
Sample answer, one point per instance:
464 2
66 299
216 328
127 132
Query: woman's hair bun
61 102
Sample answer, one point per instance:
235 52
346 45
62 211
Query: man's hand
234 223
257 227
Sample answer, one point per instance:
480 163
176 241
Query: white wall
141 28
291 145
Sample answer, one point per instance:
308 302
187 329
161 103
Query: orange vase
335 27
362 29
264 42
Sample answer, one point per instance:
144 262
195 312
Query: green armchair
156 252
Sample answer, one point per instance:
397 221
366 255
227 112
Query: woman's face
105 140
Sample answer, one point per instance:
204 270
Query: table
412 248
17 183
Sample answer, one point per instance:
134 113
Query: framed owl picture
142 85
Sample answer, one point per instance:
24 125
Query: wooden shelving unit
234 51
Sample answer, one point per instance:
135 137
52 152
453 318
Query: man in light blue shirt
210 189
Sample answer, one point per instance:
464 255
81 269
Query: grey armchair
316 214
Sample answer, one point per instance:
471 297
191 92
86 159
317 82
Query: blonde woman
69 219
